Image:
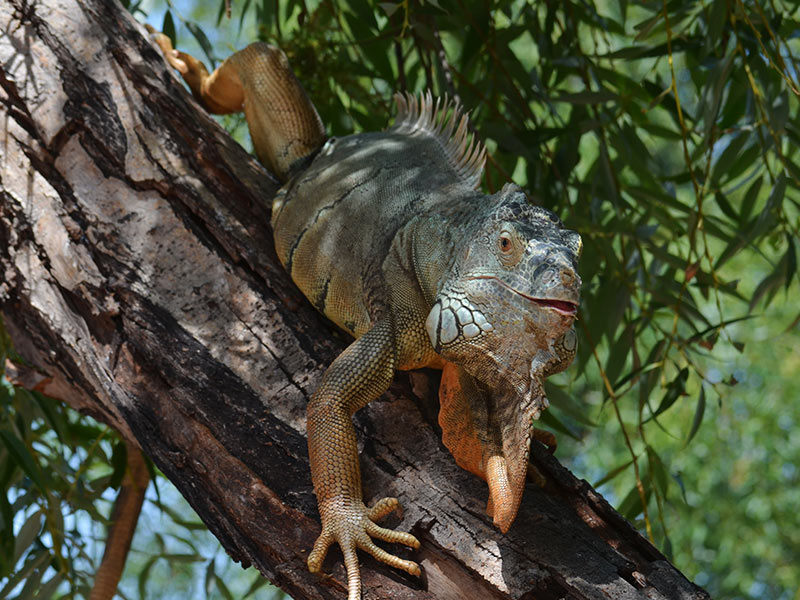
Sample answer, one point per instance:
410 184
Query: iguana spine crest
444 121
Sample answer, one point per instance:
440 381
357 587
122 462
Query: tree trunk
137 272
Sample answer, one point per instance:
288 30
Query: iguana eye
504 243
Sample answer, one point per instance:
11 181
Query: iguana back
334 222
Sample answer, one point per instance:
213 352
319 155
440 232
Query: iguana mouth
565 307
562 306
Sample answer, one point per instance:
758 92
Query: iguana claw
177 60
352 525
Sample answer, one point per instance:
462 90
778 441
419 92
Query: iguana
388 235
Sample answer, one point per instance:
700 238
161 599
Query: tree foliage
664 132
54 466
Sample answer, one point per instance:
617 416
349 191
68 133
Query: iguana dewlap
387 235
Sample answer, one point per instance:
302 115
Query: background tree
666 134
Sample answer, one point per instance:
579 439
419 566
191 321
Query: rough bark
137 273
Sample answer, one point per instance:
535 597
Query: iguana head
504 316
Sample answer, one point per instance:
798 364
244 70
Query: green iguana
388 236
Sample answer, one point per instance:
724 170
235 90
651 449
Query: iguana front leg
360 374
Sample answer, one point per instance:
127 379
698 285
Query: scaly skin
385 234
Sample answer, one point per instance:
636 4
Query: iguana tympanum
387 235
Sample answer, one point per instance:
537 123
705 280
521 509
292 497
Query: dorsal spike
443 121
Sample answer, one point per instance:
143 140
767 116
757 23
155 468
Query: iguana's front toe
352 526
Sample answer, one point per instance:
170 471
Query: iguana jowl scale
386 234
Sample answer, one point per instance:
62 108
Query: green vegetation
59 471
666 133
54 468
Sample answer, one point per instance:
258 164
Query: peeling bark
137 272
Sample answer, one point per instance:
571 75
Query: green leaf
50 586
245 9
176 516
790 259
769 285
666 548
779 113
258 583
658 471
551 420
631 505
682 486
750 199
144 574
222 587
6 536
28 534
183 557
168 28
675 389
54 413
34 560
716 22
221 11
209 577
618 354
31 585
563 402
748 160
759 225
612 474
698 415
727 158
587 97
389 7
203 41
712 94
725 206
23 458
119 461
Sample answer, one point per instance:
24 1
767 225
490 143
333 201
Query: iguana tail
124 516
284 125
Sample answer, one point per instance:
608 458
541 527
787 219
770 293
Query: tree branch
139 276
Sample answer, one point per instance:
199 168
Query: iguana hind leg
284 125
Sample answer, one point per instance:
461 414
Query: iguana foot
545 437
549 440
352 525
187 65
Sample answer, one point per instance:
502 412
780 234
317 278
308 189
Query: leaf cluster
55 466
59 471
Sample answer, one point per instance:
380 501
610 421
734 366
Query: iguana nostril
567 277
